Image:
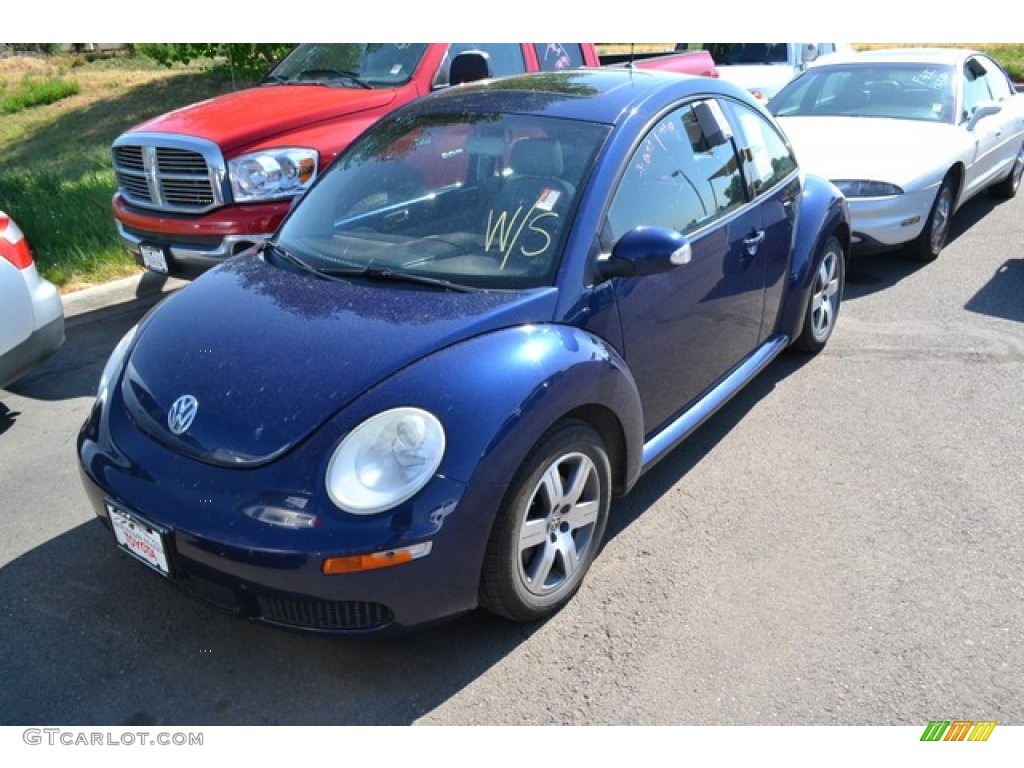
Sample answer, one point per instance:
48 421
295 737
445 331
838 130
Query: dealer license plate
154 258
140 539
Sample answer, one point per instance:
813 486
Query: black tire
550 526
825 298
1007 188
929 244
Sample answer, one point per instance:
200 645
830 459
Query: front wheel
826 296
933 237
1008 187
550 526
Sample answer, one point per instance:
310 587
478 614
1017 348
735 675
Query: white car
909 136
31 312
763 68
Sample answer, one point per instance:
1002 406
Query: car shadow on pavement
868 273
7 418
661 478
93 638
74 370
1002 296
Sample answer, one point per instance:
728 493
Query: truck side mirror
470 66
809 53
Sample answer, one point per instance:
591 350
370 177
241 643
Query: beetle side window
680 177
767 157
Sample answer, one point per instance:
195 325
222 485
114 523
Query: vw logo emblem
182 413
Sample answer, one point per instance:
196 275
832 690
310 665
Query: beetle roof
605 95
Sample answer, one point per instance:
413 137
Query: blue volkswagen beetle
497 309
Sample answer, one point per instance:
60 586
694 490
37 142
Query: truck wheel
550 526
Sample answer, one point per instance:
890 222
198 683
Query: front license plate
140 539
154 258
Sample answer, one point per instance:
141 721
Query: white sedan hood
910 153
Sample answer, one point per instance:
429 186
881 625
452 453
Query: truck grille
169 173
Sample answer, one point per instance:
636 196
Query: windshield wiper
288 256
370 272
321 74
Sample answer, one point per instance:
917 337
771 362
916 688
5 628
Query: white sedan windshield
901 91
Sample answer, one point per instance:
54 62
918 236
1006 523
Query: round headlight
385 460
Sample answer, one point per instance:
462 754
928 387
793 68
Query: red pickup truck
204 182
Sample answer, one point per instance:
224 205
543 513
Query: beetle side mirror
646 251
983 109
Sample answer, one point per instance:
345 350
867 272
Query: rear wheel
933 237
550 526
1008 187
826 296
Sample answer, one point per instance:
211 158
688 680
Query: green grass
33 93
55 168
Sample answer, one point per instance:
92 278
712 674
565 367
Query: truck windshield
747 53
469 200
349 65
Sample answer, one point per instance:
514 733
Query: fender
509 387
823 213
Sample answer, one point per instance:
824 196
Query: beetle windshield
356 65
476 200
901 91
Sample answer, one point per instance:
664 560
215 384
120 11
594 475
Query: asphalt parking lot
841 545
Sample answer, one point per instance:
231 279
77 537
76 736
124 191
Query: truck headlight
272 174
385 460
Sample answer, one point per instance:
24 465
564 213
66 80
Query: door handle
751 243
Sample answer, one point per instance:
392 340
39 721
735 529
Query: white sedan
31 312
909 136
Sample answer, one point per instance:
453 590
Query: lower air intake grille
323 614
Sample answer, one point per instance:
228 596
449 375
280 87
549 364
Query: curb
148 286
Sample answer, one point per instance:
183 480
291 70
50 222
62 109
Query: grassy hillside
55 172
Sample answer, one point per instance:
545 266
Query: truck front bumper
173 242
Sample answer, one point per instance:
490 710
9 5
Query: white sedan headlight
864 188
385 460
272 174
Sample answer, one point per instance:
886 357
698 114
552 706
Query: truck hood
270 355
280 108
873 148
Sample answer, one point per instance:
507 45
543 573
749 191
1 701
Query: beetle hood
264 355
